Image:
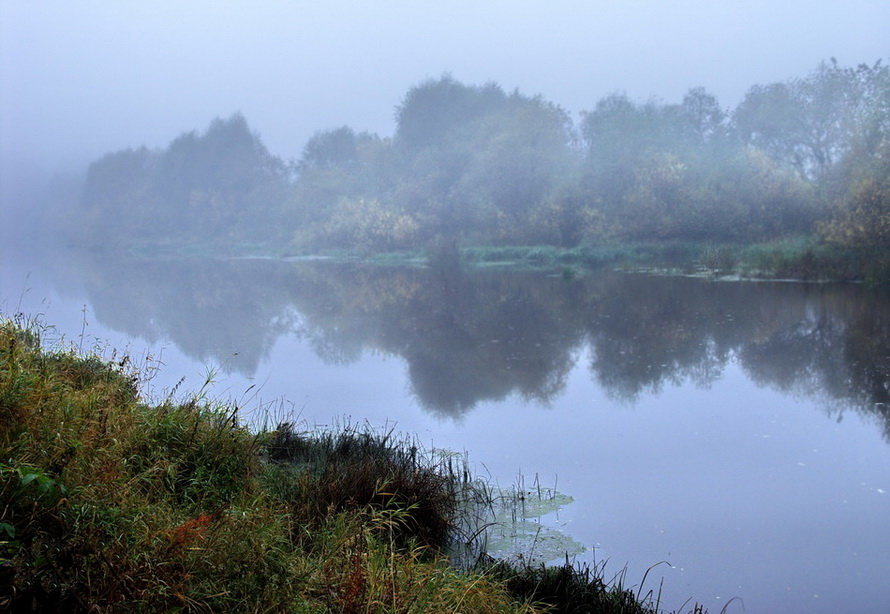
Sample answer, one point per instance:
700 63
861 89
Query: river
737 431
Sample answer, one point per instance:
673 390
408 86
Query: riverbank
109 502
797 258
800 258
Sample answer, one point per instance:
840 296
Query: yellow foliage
369 225
863 219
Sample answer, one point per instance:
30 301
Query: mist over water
79 81
737 430
713 425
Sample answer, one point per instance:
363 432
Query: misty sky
78 79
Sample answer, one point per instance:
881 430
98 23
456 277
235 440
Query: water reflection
469 337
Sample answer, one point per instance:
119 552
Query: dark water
738 431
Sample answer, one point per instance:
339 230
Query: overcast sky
78 79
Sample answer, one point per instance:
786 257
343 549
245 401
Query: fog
525 230
78 80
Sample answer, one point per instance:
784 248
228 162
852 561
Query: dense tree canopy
812 123
221 184
476 164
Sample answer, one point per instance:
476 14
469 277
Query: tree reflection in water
482 335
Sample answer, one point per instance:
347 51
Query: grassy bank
110 504
584 256
803 258
808 259
800 258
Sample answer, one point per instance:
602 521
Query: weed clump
571 588
353 469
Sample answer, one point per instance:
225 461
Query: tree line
475 164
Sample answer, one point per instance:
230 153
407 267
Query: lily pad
523 528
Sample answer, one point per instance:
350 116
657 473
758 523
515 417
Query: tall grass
572 588
354 468
545 256
109 504
808 259
589 256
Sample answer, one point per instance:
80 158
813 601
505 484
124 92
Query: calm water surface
738 431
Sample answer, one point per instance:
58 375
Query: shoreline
788 260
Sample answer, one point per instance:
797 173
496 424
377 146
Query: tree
337 165
703 114
435 110
115 201
618 135
475 160
336 148
520 156
220 184
862 217
223 182
812 123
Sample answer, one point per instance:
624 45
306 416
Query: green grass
572 589
541 256
626 255
809 259
110 504
352 468
802 258
805 258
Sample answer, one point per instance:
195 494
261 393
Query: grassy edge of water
108 503
801 258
